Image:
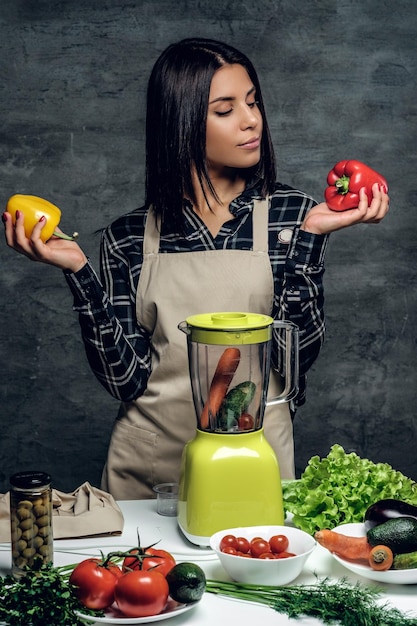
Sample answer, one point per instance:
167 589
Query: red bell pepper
345 180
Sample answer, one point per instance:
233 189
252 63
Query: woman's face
234 122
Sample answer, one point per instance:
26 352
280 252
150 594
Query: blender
229 473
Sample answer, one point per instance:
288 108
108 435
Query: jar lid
229 328
29 480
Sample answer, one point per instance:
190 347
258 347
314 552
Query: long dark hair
177 104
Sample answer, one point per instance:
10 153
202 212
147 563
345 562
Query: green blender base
228 481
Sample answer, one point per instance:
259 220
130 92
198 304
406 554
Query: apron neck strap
260 225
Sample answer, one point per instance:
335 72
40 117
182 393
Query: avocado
399 534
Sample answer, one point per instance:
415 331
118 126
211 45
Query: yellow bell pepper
33 208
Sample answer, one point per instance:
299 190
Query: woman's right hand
67 255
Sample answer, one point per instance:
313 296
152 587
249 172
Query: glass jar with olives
30 520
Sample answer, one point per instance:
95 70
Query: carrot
381 558
346 547
225 370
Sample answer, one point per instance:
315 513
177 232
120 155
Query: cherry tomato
149 558
246 554
141 593
246 422
229 541
95 583
267 556
278 543
283 555
229 550
256 539
259 547
243 544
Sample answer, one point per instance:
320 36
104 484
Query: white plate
396 577
114 617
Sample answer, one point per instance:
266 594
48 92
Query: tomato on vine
147 559
141 593
94 581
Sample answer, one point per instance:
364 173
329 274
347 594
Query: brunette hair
177 105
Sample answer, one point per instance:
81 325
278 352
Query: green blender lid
230 328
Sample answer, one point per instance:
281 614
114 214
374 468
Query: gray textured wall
339 79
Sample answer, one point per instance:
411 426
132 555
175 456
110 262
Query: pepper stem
72 237
342 184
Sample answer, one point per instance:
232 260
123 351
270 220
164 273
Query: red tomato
243 544
229 541
246 422
229 550
259 547
256 539
284 555
267 555
147 559
246 554
95 583
278 543
141 593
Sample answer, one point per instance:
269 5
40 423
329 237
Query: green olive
45 551
21 545
27 504
29 552
44 531
42 521
16 533
21 562
40 510
39 501
37 542
23 512
26 524
30 532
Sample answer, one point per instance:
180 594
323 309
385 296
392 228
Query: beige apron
150 433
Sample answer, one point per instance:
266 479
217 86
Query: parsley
43 596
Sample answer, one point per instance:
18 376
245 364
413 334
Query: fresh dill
334 603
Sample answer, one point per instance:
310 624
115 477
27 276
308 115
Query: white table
141 516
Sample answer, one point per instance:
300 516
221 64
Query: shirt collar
238 207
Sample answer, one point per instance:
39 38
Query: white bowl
265 571
396 577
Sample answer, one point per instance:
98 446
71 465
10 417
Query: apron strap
260 229
152 235
260 225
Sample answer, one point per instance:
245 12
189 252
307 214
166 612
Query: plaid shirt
118 347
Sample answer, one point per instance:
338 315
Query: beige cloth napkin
86 512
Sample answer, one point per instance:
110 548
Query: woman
216 233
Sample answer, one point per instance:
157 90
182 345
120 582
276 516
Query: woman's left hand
321 220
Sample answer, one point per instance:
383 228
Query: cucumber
399 534
405 561
235 403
